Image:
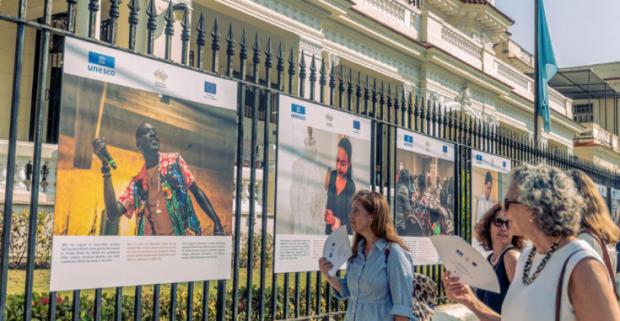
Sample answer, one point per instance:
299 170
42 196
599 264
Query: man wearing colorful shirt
159 193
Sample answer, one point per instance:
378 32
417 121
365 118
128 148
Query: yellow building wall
7 68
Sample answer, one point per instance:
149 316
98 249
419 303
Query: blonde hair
595 215
376 205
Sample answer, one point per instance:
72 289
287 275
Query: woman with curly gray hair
559 277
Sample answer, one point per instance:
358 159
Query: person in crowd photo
378 283
494 233
559 277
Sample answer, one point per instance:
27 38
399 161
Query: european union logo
356 124
445 149
101 59
479 157
210 88
409 139
504 164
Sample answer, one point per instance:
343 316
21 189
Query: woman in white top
543 205
597 227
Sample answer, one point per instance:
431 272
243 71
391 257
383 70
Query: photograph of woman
340 189
323 158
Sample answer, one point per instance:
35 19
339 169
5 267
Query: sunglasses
507 204
498 222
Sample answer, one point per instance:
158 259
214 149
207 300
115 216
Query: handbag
424 293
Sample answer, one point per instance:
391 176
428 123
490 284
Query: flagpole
536 76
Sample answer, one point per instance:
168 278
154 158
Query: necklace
527 279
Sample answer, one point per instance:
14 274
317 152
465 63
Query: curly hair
552 196
483 230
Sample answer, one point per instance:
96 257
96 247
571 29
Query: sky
583 32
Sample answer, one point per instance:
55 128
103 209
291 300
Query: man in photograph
159 193
485 202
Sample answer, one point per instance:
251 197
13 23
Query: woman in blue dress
379 280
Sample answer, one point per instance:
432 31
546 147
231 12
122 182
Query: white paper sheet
461 259
337 249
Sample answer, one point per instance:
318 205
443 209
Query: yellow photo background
204 136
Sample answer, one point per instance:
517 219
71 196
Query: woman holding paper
560 277
379 278
494 233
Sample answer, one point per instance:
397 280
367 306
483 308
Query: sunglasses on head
507 204
498 222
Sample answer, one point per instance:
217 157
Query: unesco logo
298 111
408 140
210 89
101 64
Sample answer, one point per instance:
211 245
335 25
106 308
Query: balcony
402 16
595 135
516 56
455 42
523 85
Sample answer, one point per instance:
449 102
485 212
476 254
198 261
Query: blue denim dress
378 287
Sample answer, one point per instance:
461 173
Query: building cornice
457 66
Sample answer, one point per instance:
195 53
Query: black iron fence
263 70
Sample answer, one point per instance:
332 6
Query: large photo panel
145 172
424 195
323 160
489 184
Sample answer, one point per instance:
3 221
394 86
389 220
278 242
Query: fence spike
133 20
185 37
230 50
215 45
280 64
169 29
201 41
312 76
151 25
93 9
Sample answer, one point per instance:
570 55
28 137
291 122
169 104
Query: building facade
595 91
456 53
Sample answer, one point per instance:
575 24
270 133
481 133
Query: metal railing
253 63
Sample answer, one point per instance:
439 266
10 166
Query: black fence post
133 20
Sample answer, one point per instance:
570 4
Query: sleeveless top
537 300
491 299
596 246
